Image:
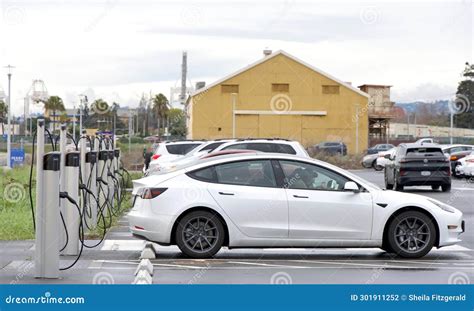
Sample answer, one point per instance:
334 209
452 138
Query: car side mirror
351 186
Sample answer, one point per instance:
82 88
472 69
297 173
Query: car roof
419 145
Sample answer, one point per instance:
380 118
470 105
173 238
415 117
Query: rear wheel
200 234
411 234
446 188
377 167
435 187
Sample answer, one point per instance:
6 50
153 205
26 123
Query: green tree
177 122
3 114
160 109
464 103
54 104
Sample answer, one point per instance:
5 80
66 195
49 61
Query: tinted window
263 147
422 152
300 175
181 149
246 173
212 146
205 174
282 148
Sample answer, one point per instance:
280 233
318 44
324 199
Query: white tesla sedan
277 200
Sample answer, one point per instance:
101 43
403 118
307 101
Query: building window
330 89
229 88
280 87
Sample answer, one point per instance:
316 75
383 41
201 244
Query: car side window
236 147
299 175
207 174
282 148
257 173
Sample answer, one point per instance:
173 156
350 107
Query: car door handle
225 193
300 196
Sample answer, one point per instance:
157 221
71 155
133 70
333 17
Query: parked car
465 166
331 148
455 158
450 149
418 164
168 150
370 160
193 153
379 147
425 141
266 200
382 160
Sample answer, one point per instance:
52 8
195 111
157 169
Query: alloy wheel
200 234
412 234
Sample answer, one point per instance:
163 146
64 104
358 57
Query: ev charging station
47 209
75 189
71 212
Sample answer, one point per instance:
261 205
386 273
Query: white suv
262 145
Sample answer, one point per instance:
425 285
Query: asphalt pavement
116 259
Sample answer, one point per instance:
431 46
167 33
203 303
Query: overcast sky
118 49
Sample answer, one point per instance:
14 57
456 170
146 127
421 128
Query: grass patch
16 222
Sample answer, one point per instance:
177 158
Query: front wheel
200 234
377 167
411 234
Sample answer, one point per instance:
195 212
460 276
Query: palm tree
3 113
160 109
54 103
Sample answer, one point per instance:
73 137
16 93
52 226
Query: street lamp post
9 131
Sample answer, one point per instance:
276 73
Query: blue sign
17 157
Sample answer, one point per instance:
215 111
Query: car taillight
156 156
470 160
402 172
150 193
453 158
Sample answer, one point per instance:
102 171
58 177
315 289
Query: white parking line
265 264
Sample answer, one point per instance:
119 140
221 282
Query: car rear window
423 152
180 148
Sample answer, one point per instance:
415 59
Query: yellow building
280 96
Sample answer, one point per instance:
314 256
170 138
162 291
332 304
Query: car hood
395 198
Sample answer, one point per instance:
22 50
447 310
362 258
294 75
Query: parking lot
117 259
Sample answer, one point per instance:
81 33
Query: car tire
387 185
200 234
446 188
377 167
435 187
411 234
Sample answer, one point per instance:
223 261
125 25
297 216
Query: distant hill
439 107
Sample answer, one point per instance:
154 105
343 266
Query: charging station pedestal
110 175
90 180
71 214
117 168
47 213
102 177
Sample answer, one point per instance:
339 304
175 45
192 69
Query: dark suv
418 165
331 148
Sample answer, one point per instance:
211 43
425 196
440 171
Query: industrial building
280 96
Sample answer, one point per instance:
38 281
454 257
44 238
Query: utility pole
9 132
74 121
234 97
130 120
357 130
451 119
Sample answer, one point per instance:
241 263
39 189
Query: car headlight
443 206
